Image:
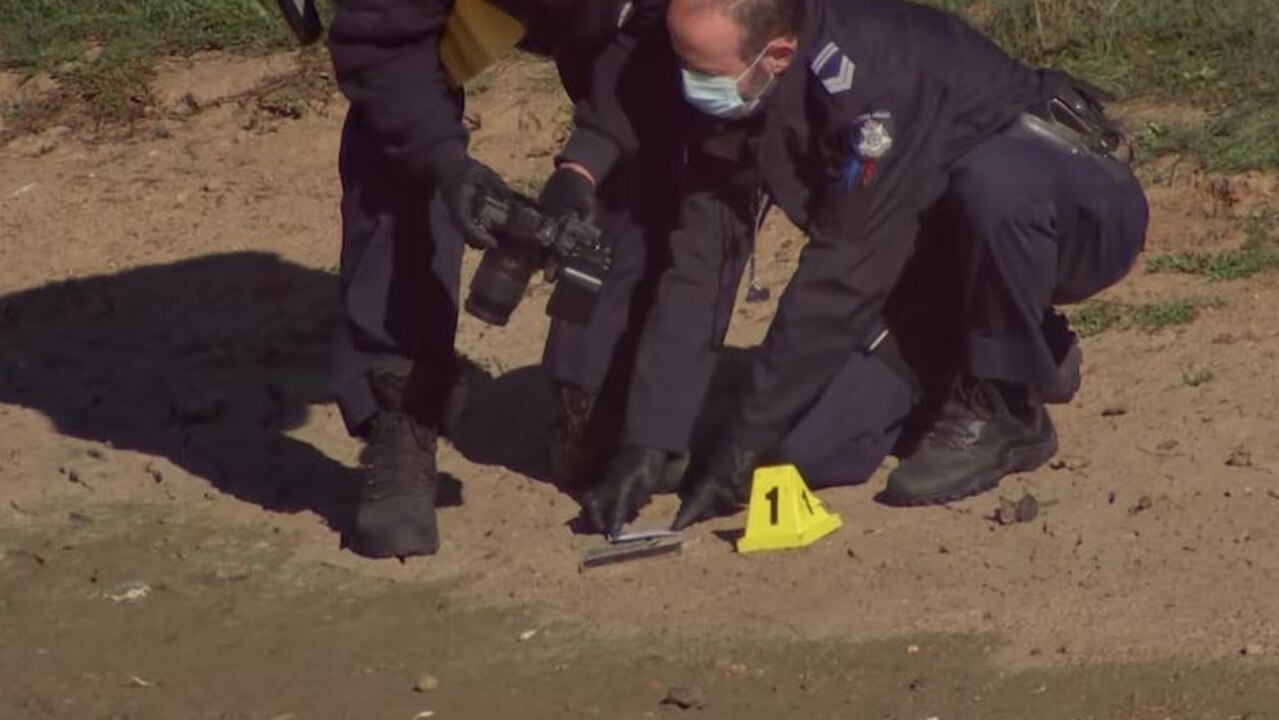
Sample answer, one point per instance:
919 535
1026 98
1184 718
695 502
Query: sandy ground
171 476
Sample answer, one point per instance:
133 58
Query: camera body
568 249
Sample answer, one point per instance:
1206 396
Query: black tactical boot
984 431
396 513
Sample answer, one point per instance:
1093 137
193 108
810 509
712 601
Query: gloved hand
722 488
569 191
632 477
460 190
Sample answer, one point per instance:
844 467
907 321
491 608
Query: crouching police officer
950 196
408 189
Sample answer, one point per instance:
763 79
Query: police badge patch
871 138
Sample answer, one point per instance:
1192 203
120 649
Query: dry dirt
171 475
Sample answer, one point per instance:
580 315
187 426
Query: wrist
580 170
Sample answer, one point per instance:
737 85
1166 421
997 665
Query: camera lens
499 284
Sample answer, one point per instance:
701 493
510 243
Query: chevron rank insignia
833 68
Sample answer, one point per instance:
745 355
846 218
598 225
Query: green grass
1258 253
41 34
1220 56
102 51
1098 316
1156 316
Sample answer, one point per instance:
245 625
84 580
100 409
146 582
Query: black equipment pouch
1074 116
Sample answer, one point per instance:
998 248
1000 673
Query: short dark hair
761 21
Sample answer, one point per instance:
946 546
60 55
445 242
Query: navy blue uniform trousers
1024 225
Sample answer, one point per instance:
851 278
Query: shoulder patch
833 68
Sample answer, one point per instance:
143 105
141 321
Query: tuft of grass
1257 253
1220 56
1098 316
1156 316
41 34
102 52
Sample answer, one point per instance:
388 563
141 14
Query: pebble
1254 649
426 684
685 697
1114 411
1239 458
1022 511
528 635
1144 503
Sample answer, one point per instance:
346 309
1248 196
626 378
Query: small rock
1023 511
1067 463
285 716
1167 445
139 682
685 697
1239 458
1006 513
212 186
1144 503
1253 650
912 649
528 635
1114 411
1027 508
424 715
426 684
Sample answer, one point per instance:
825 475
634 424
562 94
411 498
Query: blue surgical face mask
718 94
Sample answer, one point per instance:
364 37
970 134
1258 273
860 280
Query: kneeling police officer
951 196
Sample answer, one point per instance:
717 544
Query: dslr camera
568 250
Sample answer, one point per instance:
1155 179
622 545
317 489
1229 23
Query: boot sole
1023 458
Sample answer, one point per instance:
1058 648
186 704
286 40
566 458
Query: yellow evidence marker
783 513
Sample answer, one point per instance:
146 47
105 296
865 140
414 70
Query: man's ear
779 54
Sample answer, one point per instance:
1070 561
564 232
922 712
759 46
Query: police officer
408 183
950 196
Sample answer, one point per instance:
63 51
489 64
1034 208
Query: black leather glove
632 477
460 190
723 488
568 192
